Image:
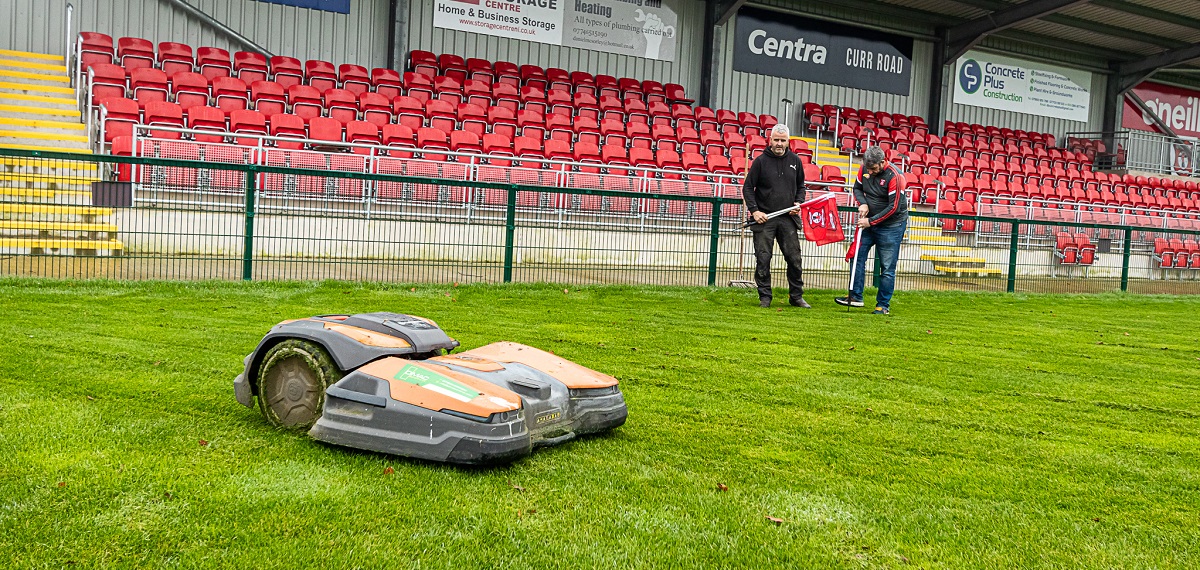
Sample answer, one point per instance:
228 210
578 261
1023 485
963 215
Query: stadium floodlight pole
853 265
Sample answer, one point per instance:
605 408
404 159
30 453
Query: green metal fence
72 216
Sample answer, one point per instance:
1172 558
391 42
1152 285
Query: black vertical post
510 227
937 72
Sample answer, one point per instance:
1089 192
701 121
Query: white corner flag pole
857 243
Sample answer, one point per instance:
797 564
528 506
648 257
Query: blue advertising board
339 6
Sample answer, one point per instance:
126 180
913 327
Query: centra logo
762 44
970 76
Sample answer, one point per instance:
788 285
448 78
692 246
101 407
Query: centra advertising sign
804 49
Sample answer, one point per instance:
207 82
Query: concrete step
40 101
61 246
58 211
954 260
38 113
24 64
47 196
932 240
9 88
47 181
75 227
31 56
10 136
44 126
960 271
48 167
76 148
961 251
34 78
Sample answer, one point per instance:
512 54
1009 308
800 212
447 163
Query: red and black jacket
883 194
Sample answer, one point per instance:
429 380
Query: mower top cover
387 382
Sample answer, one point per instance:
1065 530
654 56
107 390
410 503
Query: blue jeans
886 241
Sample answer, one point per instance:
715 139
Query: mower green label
431 380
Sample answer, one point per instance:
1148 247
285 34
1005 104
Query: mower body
397 390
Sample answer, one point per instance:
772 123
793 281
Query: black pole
935 84
391 49
706 54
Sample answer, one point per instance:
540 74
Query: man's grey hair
874 155
781 129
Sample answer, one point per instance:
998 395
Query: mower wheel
292 382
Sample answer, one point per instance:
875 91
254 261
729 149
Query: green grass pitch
962 431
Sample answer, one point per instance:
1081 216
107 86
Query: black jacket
884 195
774 182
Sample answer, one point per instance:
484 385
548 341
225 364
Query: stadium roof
1133 38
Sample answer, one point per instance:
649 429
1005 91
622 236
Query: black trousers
783 230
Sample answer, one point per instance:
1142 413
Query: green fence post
1125 251
714 243
248 239
510 228
1012 257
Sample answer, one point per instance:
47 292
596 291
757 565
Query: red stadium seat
290 126
320 75
386 82
324 129
502 121
245 121
207 119
269 97
286 71
424 62
135 53
148 85
230 94
95 47
108 81
354 78
375 108
190 89
120 116
250 66
174 57
164 114
213 62
304 100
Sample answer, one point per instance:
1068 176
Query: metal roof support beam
1154 118
1131 73
726 10
964 36
1148 12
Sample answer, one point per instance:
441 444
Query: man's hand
864 222
759 217
863 209
795 212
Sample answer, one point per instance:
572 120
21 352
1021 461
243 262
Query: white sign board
1010 84
642 28
530 21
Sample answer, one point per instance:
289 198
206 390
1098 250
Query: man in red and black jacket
883 217
775 182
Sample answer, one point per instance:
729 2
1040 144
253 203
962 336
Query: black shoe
765 303
848 302
800 303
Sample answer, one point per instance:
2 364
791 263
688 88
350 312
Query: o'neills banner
1011 84
1178 108
642 28
783 45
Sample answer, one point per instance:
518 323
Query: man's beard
779 150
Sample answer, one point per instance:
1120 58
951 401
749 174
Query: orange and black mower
388 382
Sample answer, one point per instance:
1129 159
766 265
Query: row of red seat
820 118
508 73
174 57
927 190
1176 253
857 140
1074 249
993 134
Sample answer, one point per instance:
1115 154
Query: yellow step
46 178
42 88
43 136
976 270
41 193
66 113
37 76
40 99
46 148
60 243
45 162
54 209
952 259
26 225
51 67
953 248
30 55
932 239
43 124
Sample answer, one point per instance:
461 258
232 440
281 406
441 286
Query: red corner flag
853 247
821 222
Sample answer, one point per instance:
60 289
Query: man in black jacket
776 181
